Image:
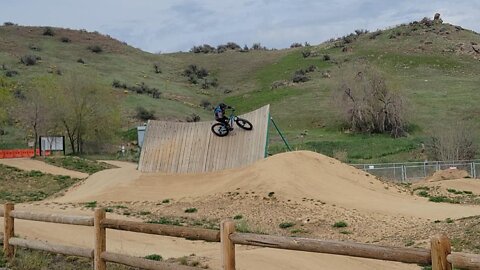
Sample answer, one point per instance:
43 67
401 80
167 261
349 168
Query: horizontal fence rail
53 218
54 248
161 229
398 254
439 255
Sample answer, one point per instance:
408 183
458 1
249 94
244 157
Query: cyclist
219 113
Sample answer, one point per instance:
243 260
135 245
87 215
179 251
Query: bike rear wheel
220 130
243 123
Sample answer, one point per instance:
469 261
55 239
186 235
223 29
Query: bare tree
367 105
86 111
34 110
455 141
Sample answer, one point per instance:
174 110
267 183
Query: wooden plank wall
178 147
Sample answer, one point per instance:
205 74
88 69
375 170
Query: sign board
141 135
52 143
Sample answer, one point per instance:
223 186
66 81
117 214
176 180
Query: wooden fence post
100 239
9 231
227 227
440 248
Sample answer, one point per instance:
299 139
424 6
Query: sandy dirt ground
464 184
28 164
298 179
293 175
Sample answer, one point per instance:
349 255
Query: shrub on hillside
375 34
143 114
206 104
299 78
360 32
306 53
11 73
296 45
65 39
195 73
205 48
80 60
29 60
156 67
193 118
326 57
8 24
95 48
368 105
34 47
244 49
455 141
48 31
258 47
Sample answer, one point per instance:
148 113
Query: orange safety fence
20 153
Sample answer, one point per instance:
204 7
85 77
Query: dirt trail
293 175
247 258
28 164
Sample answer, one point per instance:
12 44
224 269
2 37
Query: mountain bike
222 130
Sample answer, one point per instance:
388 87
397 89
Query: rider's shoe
230 128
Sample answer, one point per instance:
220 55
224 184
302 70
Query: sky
177 25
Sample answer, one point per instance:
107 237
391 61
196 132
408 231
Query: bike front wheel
220 130
243 123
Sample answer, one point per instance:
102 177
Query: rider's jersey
218 112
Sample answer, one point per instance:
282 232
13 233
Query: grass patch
454 191
423 193
285 225
345 232
440 199
166 221
22 186
242 226
144 213
154 257
91 204
340 224
191 210
78 164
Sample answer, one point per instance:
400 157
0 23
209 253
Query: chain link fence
409 172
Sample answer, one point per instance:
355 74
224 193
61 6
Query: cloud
170 25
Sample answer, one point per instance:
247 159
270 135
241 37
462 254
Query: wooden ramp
178 147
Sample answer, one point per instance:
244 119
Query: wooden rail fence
439 255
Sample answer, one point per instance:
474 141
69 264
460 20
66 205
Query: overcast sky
177 25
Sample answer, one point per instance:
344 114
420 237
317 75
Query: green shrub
154 257
144 213
29 60
91 204
340 224
191 210
95 48
144 115
238 217
65 39
285 225
166 221
271 193
449 220
166 201
423 193
48 31
441 199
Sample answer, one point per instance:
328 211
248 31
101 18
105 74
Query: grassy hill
435 65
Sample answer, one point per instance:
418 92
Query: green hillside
435 65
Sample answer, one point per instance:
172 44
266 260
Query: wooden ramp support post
227 227
100 240
9 231
440 248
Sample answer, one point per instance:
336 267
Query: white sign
51 143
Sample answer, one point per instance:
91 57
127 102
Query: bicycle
222 130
